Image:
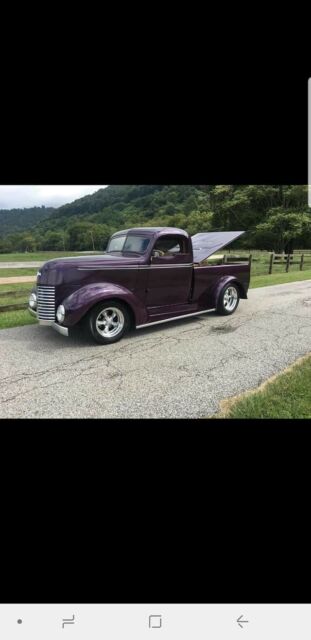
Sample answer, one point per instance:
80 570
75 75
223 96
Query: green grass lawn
17 297
11 273
10 319
288 395
23 286
279 278
14 294
42 256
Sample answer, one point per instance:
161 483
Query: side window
169 245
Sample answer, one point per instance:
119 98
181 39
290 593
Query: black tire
108 317
229 299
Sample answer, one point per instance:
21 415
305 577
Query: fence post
271 263
224 261
301 262
287 262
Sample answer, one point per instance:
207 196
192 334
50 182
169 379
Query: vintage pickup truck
146 276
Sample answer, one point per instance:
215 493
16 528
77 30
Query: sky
20 196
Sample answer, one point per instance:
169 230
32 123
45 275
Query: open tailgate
205 244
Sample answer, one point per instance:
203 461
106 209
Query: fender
222 282
78 303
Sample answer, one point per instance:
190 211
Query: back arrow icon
68 621
241 622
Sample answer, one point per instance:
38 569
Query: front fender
222 282
82 300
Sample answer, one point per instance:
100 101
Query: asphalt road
176 370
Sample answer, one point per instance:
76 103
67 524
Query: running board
188 315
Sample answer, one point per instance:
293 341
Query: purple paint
153 285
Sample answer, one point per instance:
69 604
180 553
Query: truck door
170 272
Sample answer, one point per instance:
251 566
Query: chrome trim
101 268
188 315
46 303
169 266
63 330
152 266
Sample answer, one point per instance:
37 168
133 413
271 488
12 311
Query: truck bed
207 275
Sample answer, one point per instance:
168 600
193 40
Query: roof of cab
153 231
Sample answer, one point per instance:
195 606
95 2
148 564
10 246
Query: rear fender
82 300
224 281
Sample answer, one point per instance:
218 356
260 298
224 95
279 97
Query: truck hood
98 261
70 270
205 244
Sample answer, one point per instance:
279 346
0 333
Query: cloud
22 196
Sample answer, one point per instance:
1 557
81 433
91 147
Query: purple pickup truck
146 276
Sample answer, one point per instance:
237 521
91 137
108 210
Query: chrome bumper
63 330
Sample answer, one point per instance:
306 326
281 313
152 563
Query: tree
190 204
199 221
170 209
87 223
53 241
26 242
284 227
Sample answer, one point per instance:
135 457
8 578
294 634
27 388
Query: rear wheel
108 322
228 300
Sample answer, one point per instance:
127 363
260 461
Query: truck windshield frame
126 244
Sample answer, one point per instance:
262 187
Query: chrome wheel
230 299
110 322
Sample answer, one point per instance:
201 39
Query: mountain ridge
271 214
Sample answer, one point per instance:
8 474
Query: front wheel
228 300
108 322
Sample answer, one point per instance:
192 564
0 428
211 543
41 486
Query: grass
37 257
13 294
286 395
16 298
11 273
23 286
279 278
13 299
10 319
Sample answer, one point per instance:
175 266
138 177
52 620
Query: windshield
128 244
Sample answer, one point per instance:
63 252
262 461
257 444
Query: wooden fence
287 259
303 260
13 307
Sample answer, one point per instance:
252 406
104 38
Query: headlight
32 301
60 314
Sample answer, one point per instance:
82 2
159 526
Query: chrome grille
46 303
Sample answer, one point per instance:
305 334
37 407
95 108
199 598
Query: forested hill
14 220
119 203
272 215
